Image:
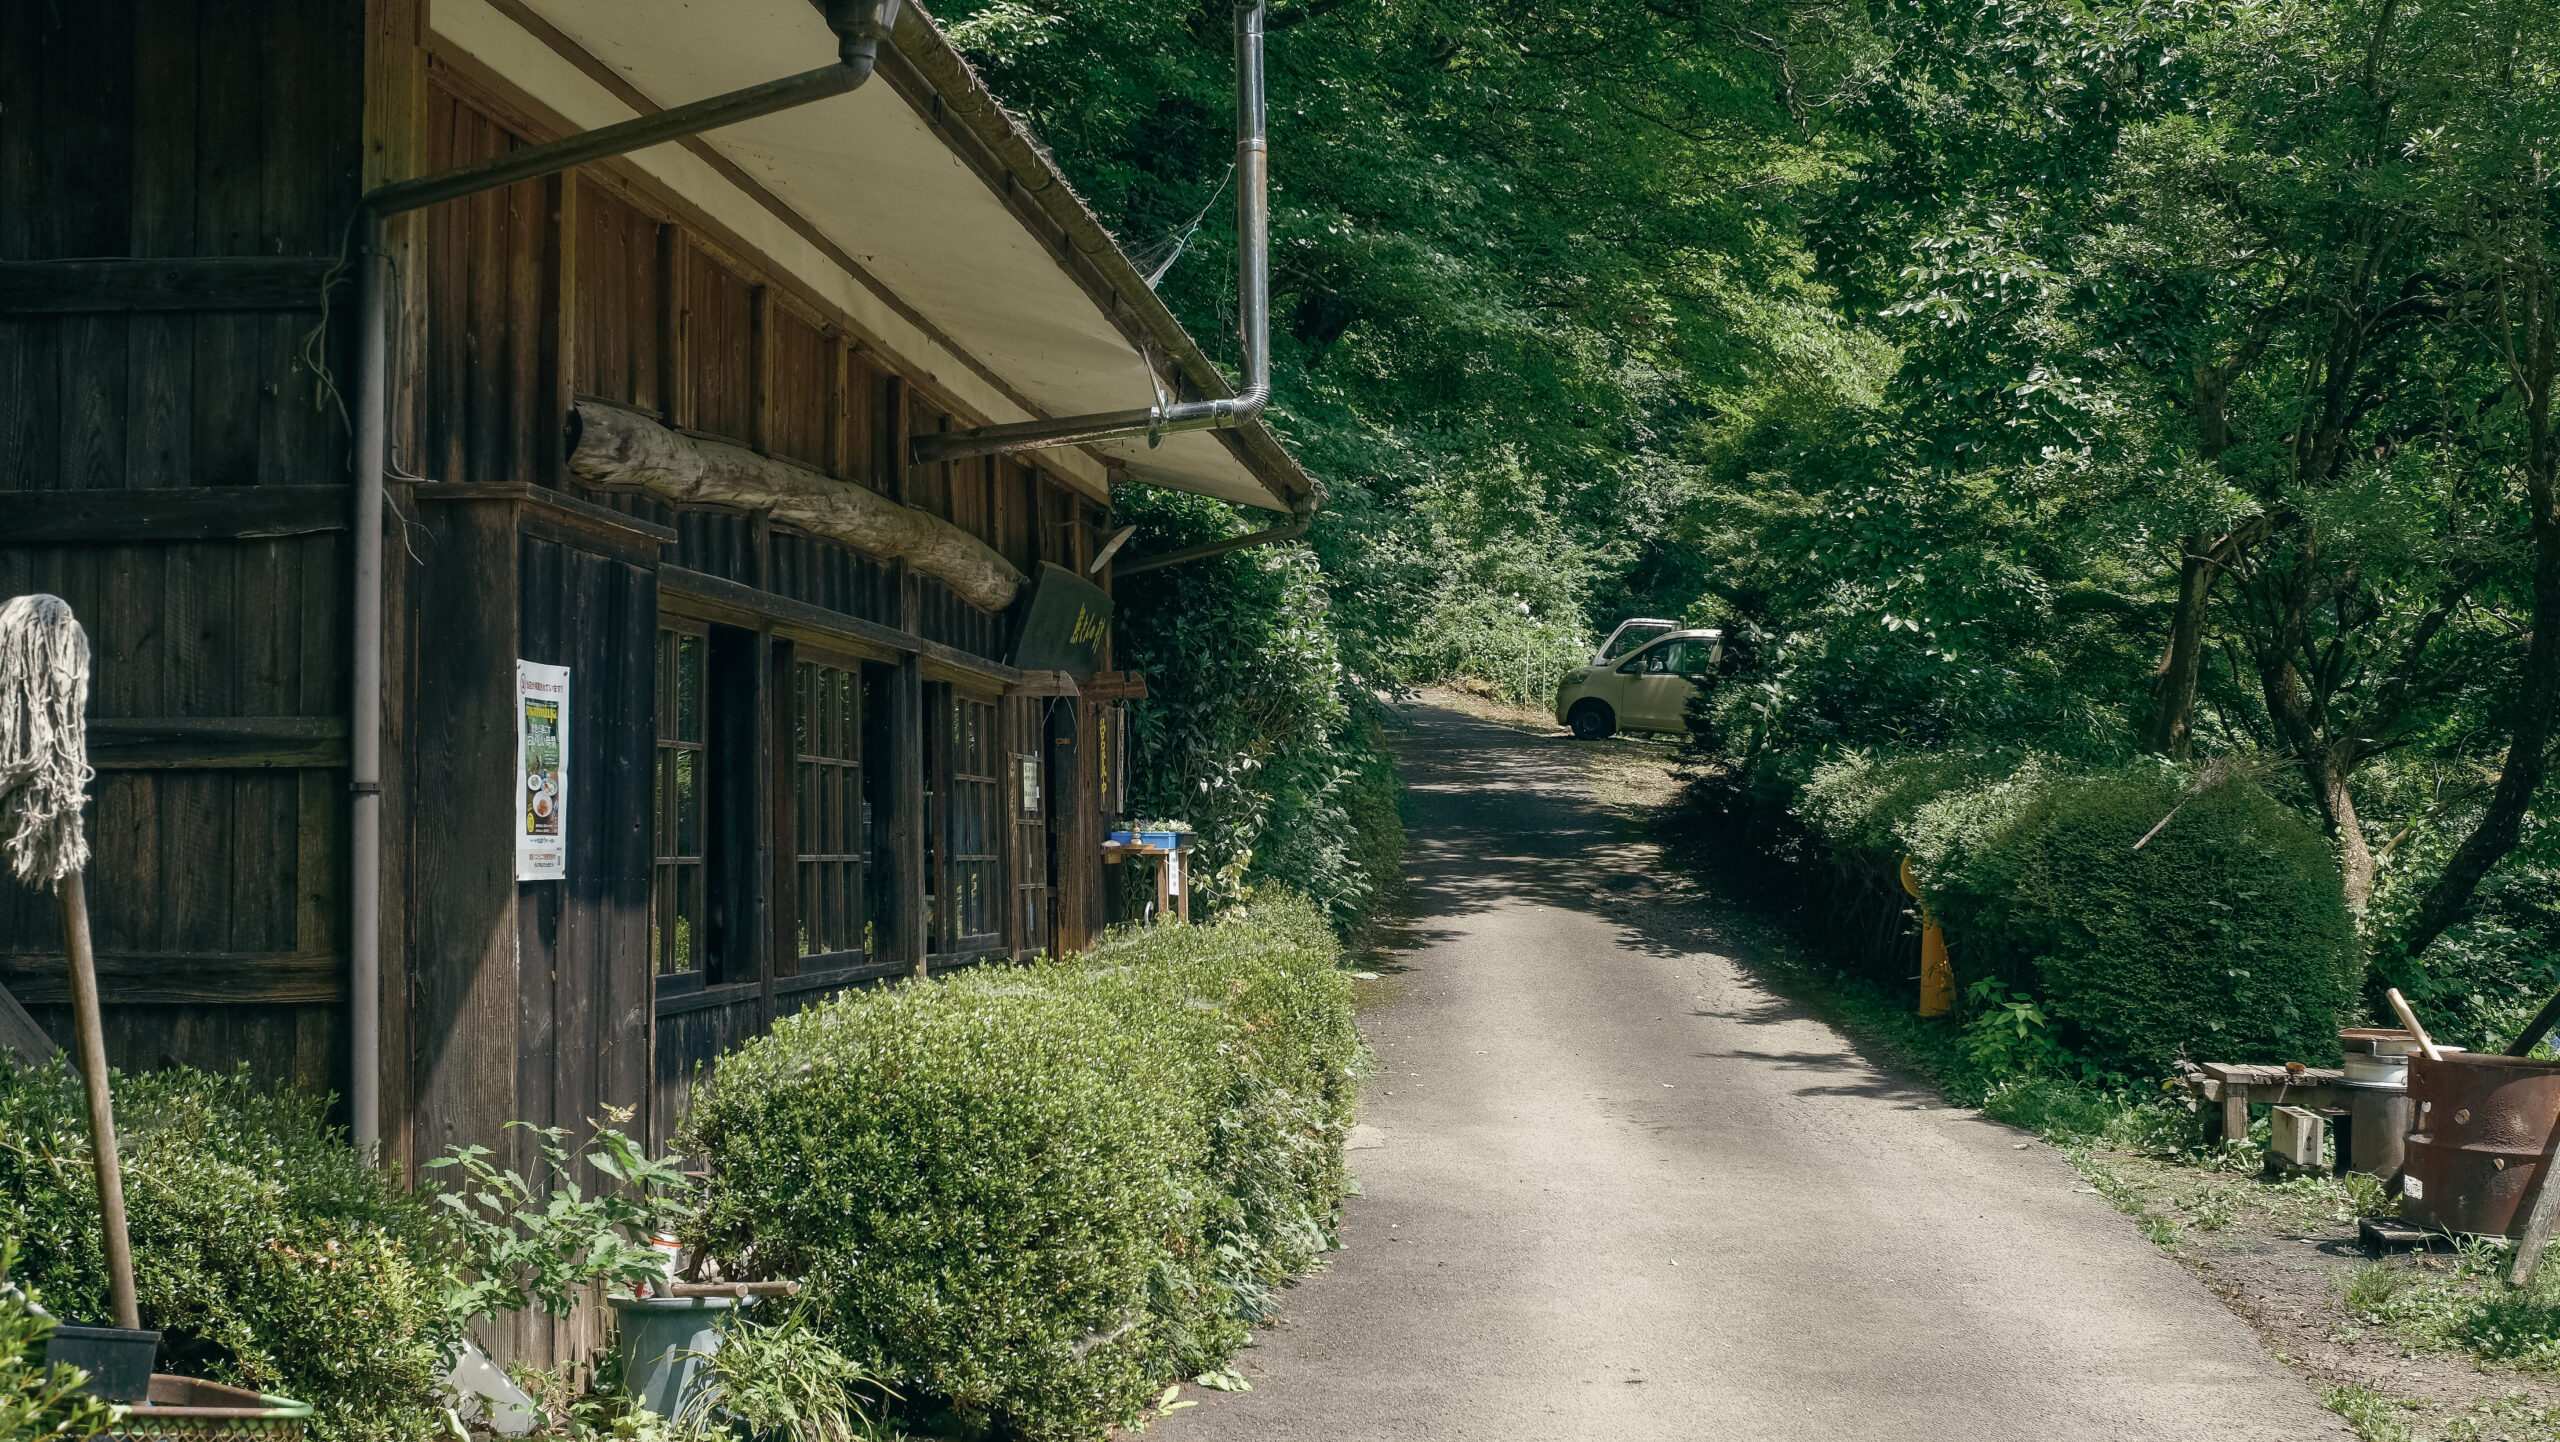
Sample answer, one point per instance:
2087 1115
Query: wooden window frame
841 765
970 811
671 912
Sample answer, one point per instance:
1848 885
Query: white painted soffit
866 171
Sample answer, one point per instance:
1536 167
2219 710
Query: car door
1653 690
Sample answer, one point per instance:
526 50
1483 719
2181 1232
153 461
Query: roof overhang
937 194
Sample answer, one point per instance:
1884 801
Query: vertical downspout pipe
364 750
860 26
1253 219
1253 306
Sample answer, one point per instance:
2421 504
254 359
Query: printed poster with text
542 771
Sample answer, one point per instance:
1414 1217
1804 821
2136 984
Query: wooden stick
2536 1029
2409 1019
102 1114
2538 1225
740 1290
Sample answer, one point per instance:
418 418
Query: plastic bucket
664 1343
118 1360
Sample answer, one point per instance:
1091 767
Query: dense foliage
1036 1195
267 1251
39 1401
2096 377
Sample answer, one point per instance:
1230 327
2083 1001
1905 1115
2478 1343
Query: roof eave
947 93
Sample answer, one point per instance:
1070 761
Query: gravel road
1617 1190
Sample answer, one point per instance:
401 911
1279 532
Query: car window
1697 658
1661 660
1634 636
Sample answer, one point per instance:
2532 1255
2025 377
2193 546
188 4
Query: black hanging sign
1064 625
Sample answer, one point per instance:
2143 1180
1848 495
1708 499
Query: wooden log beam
216 283
612 446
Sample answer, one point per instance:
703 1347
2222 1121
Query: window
677 934
1673 658
827 805
702 892
973 825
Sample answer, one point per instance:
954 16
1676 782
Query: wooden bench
2235 1086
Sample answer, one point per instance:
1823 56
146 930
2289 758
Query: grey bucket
659 1342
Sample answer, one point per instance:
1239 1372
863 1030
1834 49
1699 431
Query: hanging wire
1182 241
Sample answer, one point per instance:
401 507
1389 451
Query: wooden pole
102 1117
2409 1019
2538 1225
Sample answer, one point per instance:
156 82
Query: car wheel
1591 721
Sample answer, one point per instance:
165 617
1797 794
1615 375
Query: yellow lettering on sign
1088 627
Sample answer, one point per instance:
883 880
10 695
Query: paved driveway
1619 1191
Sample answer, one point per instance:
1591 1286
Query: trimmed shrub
265 1247
2225 937
1862 803
1036 1193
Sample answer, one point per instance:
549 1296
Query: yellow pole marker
1937 974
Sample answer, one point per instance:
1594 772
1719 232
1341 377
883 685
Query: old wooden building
698 697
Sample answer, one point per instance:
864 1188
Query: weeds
2380 1418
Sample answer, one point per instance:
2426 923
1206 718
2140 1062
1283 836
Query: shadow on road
1500 816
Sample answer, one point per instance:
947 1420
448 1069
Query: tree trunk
2298 719
2169 729
2338 808
2528 758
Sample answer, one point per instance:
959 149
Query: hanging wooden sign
1065 625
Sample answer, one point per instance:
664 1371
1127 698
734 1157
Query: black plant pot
118 1361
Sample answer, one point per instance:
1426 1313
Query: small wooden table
1170 899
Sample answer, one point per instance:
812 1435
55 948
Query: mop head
44 751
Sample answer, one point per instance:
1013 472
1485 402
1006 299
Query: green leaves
38 1402
1033 1195
269 1251
543 1244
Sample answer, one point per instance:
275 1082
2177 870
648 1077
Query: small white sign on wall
542 772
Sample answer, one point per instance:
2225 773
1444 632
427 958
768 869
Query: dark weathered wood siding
175 179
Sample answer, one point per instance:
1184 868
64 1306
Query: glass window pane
688 688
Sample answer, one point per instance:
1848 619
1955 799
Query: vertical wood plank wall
190 132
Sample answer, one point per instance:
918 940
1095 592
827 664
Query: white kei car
1640 685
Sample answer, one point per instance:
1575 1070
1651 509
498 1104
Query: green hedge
1034 1194
264 1246
2225 937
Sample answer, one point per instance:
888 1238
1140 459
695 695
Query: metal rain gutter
1287 531
860 26
1253 304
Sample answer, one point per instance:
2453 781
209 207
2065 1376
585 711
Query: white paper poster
542 772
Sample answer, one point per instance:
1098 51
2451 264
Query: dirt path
1620 1191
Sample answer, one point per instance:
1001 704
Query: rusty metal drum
2480 1135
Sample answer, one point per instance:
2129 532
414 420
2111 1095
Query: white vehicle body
1648 690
